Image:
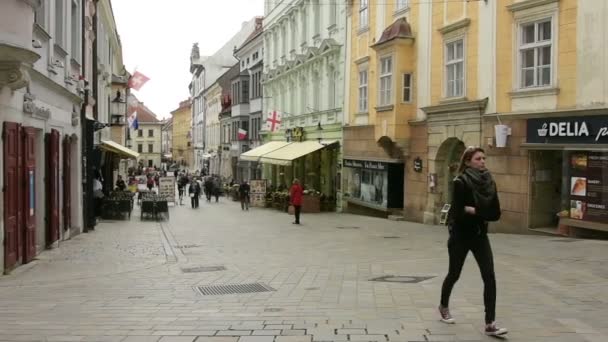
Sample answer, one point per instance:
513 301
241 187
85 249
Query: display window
367 185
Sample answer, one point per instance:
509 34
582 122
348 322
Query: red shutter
11 135
29 194
52 182
67 203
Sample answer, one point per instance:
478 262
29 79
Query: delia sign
568 130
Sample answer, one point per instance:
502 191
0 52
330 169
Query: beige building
182 138
146 140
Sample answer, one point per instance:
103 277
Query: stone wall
416 184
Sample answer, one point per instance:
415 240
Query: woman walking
295 197
474 204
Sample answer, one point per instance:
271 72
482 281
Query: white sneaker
493 330
445 315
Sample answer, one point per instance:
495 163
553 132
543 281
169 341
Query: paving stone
330 337
233 333
266 332
141 339
256 339
352 332
306 338
288 332
216 339
177 339
278 326
378 338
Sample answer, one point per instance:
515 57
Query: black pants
194 201
245 202
458 248
297 209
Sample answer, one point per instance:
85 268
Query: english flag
132 119
137 80
242 134
273 122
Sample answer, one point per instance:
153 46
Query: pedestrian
474 204
217 188
181 185
98 196
150 183
295 198
195 191
244 190
208 188
120 184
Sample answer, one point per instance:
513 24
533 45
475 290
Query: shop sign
568 130
294 134
588 188
418 164
364 164
166 188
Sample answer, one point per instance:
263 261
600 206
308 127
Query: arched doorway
445 167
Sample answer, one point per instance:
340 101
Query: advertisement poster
166 188
588 186
258 192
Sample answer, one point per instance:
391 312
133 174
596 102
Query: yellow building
182 139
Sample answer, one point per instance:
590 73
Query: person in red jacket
295 197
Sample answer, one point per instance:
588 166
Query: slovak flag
242 134
273 122
132 119
137 80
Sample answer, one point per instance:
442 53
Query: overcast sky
157 38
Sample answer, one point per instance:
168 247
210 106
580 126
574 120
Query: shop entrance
546 188
446 165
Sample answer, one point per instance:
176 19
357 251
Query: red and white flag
137 80
273 122
242 134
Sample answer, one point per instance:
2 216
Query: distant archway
446 167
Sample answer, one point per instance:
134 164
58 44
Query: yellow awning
117 148
255 154
288 154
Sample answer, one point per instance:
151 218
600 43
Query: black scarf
484 189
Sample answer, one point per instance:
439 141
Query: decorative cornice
455 26
362 60
524 5
460 106
13 75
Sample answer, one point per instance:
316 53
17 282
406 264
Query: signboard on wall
568 130
258 192
366 164
166 188
588 186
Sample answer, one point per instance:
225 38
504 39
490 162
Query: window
76 29
402 4
454 68
365 185
140 133
331 100
40 14
150 148
363 14
150 132
140 148
59 18
386 81
333 12
245 89
150 162
407 87
304 21
535 53
363 91
317 16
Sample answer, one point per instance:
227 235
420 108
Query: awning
117 148
256 153
287 154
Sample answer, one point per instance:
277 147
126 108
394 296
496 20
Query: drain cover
403 279
216 290
203 269
347 227
392 237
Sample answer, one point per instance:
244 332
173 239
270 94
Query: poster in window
588 185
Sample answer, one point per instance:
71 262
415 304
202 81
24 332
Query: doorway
546 182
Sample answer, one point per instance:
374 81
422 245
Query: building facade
167 143
146 139
303 82
41 63
181 137
250 56
228 149
212 159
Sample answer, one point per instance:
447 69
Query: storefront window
367 185
587 194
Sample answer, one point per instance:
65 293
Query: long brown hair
467 155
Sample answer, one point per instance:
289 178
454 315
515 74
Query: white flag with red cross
137 80
273 122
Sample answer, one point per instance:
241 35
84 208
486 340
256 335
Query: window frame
150 133
536 46
140 133
140 148
381 75
363 102
409 87
150 148
363 8
59 32
401 5
447 63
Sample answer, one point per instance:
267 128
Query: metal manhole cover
273 310
216 290
564 240
392 237
347 227
403 279
201 269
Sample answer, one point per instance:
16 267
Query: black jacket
466 225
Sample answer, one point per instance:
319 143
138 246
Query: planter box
311 204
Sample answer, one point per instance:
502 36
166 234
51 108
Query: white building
41 63
205 71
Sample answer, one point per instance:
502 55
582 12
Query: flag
133 123
137 80
273 122
242 134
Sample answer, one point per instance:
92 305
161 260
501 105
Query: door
29 212
11 137
67 173
545 188
52 183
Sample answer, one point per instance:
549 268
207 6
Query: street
132 281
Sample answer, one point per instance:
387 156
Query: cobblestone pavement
133 282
